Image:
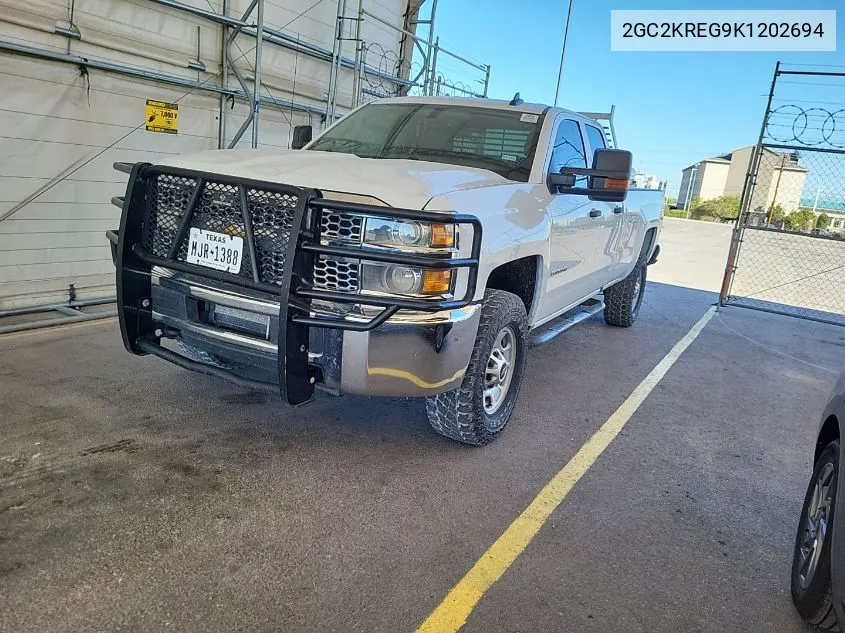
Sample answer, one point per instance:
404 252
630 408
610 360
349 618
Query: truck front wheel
479 409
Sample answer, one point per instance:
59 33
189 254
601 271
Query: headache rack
281 228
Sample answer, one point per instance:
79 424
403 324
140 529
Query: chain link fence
788 250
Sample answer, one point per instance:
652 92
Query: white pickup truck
414 248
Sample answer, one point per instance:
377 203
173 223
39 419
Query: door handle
594 213
618 209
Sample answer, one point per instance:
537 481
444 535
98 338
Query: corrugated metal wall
61 123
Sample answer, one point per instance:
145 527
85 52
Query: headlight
404 233
404 280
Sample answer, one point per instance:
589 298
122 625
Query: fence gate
787 253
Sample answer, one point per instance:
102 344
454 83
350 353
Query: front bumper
343 342
412 354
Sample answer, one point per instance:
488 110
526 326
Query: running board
549 331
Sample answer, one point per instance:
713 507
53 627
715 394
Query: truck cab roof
475 102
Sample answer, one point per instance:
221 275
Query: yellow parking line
452 613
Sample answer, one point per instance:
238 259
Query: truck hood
399 183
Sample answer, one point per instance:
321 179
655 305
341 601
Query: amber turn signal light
616 183
442 235
436 282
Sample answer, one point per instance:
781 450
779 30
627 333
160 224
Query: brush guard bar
294 291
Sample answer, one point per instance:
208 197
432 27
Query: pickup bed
415 248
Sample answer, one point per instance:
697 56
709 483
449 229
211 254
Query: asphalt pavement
135 496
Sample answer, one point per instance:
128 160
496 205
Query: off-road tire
459 414
814 602
622 300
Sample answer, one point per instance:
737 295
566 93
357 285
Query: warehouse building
83 85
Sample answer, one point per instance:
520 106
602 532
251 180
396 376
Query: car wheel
811 578
481 407
622 300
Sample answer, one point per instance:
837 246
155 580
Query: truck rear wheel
622 300
479 409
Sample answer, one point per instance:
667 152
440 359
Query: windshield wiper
346 146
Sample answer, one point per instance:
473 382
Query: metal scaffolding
406 66
382 79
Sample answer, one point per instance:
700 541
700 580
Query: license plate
215 250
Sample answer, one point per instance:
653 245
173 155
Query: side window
596 138
568 150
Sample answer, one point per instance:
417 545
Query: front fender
515 224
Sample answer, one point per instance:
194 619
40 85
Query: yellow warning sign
162 117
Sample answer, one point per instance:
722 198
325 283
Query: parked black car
818 563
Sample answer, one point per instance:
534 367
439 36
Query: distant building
646 181
705 180
834 210
780 179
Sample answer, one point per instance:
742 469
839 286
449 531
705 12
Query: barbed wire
811 127
389 65
444 87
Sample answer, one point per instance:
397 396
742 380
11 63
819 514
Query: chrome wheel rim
498 373
637 298
638 287
816 528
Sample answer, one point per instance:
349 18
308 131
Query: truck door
610 226
571 271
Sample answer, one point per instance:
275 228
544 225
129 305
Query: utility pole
688 201
777 186
563 53
816 201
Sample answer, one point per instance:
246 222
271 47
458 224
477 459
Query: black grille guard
296 291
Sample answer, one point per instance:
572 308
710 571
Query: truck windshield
501 141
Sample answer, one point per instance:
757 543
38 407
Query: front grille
341 226
331 274
219 210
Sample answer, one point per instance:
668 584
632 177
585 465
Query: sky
672 109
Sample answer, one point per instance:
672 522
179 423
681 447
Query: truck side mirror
302 135
608 180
